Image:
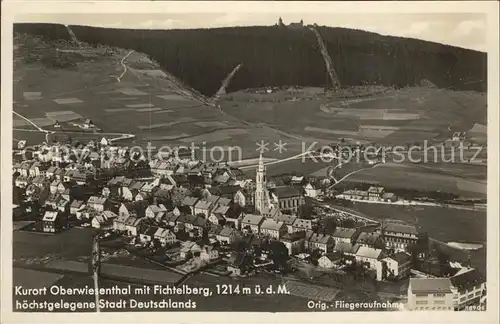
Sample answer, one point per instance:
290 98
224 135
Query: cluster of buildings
467 288
185 201
377 194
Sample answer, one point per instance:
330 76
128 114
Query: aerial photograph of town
273 163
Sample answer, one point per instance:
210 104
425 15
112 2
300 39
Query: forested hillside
276 56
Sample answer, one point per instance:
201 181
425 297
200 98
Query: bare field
413 178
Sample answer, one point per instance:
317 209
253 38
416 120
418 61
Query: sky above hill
467 30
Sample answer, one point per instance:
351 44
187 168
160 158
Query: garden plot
311 292
363 133
211 124
68 101
173 96
32 95
148 109
141 105
163 111
41 122
220 135
330 131
166 137
62 116
132 92
153 126
479 187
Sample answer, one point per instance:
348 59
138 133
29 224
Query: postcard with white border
249 161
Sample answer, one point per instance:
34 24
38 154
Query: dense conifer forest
279 56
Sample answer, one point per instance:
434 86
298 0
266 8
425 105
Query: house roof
302 223
250 219
293 236
199 221
76 203
345 247
49 216
320 238
223 201
271 224
467 280
226 231
333 256
151 231
430 285
286 219
136 185
203 204
368 238
287 192
212 199
189 201
342 232
96 200
109 214
400 257
367 252
377 190
400 228
222 210
121 219
138 207
157 208
171 217
226 191
162 193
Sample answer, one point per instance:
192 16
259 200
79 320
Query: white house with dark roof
288 220
301 224
398 265
165 236
375 193
273 229
312 190
119 223
294 242
372 258
190 202
347 235
203 207
97 203
373 240
346 248
322 242
153 210
227 235
52 222
254 222
131 225
430 294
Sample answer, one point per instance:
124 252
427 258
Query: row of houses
372 194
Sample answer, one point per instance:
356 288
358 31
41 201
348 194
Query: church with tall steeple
262 197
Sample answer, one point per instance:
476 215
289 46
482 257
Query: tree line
278 56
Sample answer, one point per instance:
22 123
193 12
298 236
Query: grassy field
469 226
72 245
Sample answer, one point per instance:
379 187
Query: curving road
122 62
